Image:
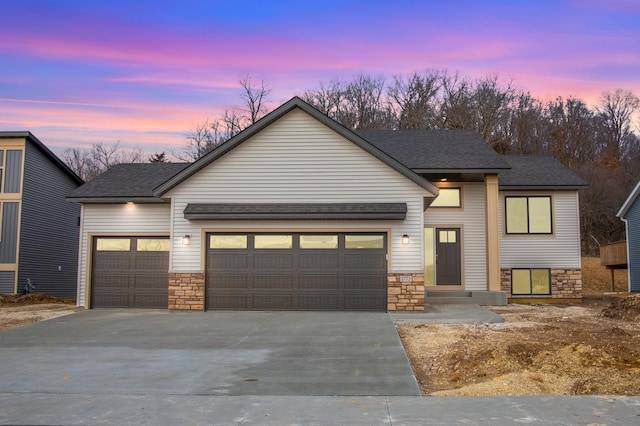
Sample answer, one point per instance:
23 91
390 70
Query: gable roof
538 172
30 137
272 117
434 151
126 182
631 199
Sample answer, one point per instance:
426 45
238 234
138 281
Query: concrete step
454 297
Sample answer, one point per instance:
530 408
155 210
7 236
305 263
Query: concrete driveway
137 352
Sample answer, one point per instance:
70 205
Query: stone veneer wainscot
565 284
405 296
186 291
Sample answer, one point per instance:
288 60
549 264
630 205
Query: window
273 241
364 241
447 236
153 244
530 282
318 241
448 197
528 215
228 241
113 244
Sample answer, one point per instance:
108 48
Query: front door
448 257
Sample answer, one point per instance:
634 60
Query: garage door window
318 241
153 244
228 241
364 241
273 241
113 244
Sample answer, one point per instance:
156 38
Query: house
39 234
630 215
299 213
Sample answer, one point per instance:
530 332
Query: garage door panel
112 261
273 261
320 274
364 281
318 281
274 281
363 302
364 261
111 280
229 301
319 261
150 280
222 260
150 300
319 302
111 299
274 301
152 263
224 281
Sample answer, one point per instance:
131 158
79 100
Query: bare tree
254 97
90 162
617 108
158 157
413 99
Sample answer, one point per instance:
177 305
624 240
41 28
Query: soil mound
30 299
627 308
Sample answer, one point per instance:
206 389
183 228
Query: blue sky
143 73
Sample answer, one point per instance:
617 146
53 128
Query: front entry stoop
452 297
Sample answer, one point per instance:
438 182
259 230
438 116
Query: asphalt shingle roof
538 172
422 150
128 181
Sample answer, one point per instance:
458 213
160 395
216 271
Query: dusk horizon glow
144 73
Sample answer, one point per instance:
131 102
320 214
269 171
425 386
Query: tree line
598 143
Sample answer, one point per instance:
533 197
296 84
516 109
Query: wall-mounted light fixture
405 240
186 240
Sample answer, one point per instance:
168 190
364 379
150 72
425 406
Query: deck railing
614 254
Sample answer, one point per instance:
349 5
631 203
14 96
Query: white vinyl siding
117 219
471 220
298 160
558 250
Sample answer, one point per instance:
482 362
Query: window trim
531 293
527 197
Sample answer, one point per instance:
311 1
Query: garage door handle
436 259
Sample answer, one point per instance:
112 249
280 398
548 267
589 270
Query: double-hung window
528 215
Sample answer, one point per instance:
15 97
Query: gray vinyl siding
9 236
13 171
7 280
299 160
49 227
633 245
559 250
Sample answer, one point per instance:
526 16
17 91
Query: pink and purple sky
75 72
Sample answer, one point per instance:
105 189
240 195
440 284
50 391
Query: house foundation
566 286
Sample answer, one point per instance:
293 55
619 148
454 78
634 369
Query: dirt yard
588 348
27 309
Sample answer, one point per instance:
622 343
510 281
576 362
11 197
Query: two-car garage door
296 271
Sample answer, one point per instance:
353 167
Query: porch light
405 240
186 240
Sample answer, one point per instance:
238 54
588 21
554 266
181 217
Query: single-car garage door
297 271
130 272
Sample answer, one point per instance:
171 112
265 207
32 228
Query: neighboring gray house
630 215
39 234
298 212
